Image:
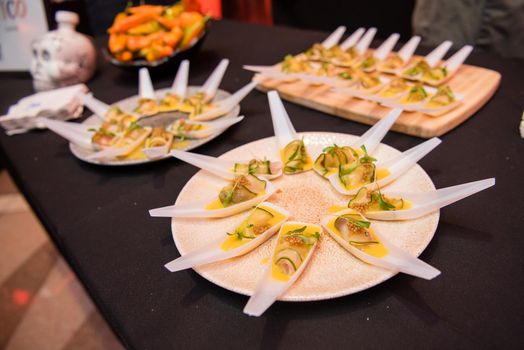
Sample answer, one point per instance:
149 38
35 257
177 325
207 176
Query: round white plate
332 271
129 104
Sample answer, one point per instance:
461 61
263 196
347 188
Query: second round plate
129 104
332 271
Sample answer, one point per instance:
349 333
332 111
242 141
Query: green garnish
363 243
381 202
240 235
345 75
298 230
134 126
358 223
366 158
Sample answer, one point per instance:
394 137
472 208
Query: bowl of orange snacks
151 35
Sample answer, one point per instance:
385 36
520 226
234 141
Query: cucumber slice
294 157
260 216
241 168
352 228
319 164
288 260
241 194
263 167
355 174
254 184
361 199
286 265
226 196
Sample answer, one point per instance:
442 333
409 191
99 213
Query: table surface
98 218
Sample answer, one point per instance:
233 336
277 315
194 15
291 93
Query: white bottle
62 57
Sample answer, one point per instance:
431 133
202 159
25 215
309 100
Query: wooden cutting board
476 84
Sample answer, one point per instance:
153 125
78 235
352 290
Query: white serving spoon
394 259
220 249
202 209
452 64
208 128
352 39
271 286
395 166
78 134
99 108
432 59
334 37
224 106
210 87
145 85
363 44
223 168
179 86
374 135
405 53
421 204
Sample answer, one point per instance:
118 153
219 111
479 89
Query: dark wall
387 16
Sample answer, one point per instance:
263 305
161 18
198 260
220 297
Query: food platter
129 104
332 272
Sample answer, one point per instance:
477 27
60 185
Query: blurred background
491 25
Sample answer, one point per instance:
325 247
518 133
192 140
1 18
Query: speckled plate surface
332 271
129 104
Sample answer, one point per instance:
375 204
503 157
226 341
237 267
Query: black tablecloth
98 217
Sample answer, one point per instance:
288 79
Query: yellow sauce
216 204
136 154
377 250
279 275
335 208
180 144
232 242
379 174
434 105
264 261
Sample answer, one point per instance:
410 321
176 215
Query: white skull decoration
62 57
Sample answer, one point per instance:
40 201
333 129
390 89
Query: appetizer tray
475 84
129 104
332 272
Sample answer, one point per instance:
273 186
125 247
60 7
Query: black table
98 218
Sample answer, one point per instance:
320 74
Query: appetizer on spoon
295 245
229 169
354 233
293 152
365 170
174 98
378 205
241 193
369 63
441 73
147 102
423 65
222 107
329 161
262 222
394 62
